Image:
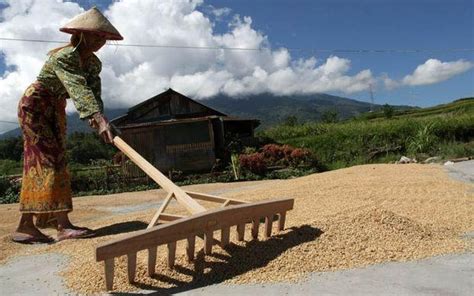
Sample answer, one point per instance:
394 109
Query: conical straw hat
92 21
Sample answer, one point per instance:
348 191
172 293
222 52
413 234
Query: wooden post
109 273
255 225
281 221
171 254
225 232
190 248
151 260
208 240
240 232
268 226
132 266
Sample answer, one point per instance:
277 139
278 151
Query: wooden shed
174 132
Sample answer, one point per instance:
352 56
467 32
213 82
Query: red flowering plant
286 155
254 162
300 156
275 155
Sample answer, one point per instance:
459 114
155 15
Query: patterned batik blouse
63 75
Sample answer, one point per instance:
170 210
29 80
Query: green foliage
357 142
9 167
456 149
291 120
11 148
9 190
84 148
388 111
330 116
456 108
424 140
104 178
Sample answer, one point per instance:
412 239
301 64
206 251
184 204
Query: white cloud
220 12
430 72
131 75
434 71
388 82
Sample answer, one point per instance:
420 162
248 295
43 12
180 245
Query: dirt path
347 218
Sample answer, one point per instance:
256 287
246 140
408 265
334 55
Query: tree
11 148
388 111
291 120
84 147
330 116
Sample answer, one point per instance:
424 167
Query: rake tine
151 260
268 226
281 221
191 240
208 240
171 254
255 225
132 266
109 273
225 232
240 232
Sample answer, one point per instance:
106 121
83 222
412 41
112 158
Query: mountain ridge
268 108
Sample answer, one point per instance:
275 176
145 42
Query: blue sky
374 24
294 33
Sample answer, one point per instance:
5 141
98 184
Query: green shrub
9 167
388 111
9 190
423 141
11 148
85 148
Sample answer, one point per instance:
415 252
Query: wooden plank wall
180 146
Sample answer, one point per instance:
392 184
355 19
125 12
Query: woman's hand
99 122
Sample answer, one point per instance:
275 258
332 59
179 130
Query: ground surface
343 221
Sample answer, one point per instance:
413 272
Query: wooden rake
201 222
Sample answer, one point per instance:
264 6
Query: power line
354 50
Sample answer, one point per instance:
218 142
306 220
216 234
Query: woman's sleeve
94 82
69 72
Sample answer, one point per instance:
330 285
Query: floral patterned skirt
46 183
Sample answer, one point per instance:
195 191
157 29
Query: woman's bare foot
27 233
66 230
74 233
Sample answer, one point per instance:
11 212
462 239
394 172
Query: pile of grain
342 219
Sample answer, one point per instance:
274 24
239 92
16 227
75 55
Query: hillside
446 131
271 109
457 107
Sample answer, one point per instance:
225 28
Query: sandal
74 233
31 239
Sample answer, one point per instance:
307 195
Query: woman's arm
68 70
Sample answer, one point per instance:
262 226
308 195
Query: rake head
202 223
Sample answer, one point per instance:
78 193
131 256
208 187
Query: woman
71 71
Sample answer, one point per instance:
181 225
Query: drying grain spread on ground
342 219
